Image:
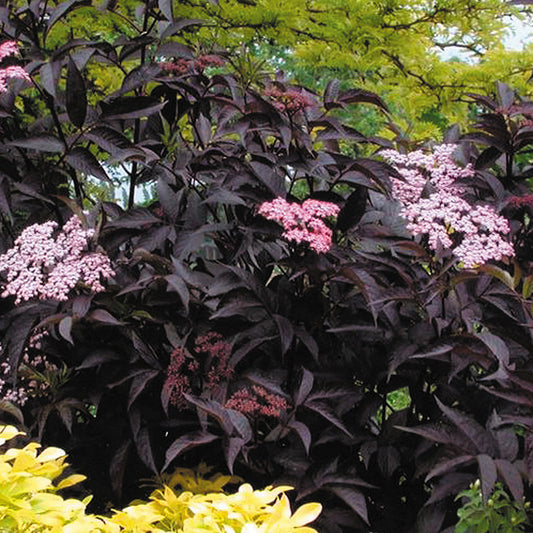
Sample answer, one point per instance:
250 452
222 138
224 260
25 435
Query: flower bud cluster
302 223
257 401
207 365
289 100
434 204
9 393
181 66
44 267
9 48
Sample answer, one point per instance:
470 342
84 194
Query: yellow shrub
29 503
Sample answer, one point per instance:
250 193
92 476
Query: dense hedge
276 295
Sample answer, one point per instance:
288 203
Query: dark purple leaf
65 327
202 129
353 498
232 448
179 25
331 94
49 76
496 345
430 519
303 432
186 442
108 139
43 143
286 332
306 384
487 157
84 161
353 210
99 357
144 449
104 317
138 384
487 474
241 424
177 284
482 440
512 478
139 77
81 305
75 95
139 218
165 6
130 107
328 413
506 95
117 467
449 485
358 96
445 467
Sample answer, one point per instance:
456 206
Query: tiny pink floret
303 223
44 267
474 233
9 48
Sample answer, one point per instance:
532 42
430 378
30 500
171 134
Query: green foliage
498 514
29 502
29 482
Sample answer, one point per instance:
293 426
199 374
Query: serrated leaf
104 317
83 160
65 327
303 432
75 95
487 474
481 439
43 143
186 442
354 499
131 107
306 384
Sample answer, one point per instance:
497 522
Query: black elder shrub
269 303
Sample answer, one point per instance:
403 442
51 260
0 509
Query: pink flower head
474 233
208 60
257 401
44 267
290 100
8 48
303 223
518 202
178 67
208 364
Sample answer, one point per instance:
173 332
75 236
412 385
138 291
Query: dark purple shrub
268 342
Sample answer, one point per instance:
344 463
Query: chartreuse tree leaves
375 45
379 45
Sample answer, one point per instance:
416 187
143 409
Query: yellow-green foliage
28 499
29 503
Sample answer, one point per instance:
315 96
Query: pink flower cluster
474 233
518 202
289 100
9 393
44 267
257 401
14 71
302 223
208 364
180 66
